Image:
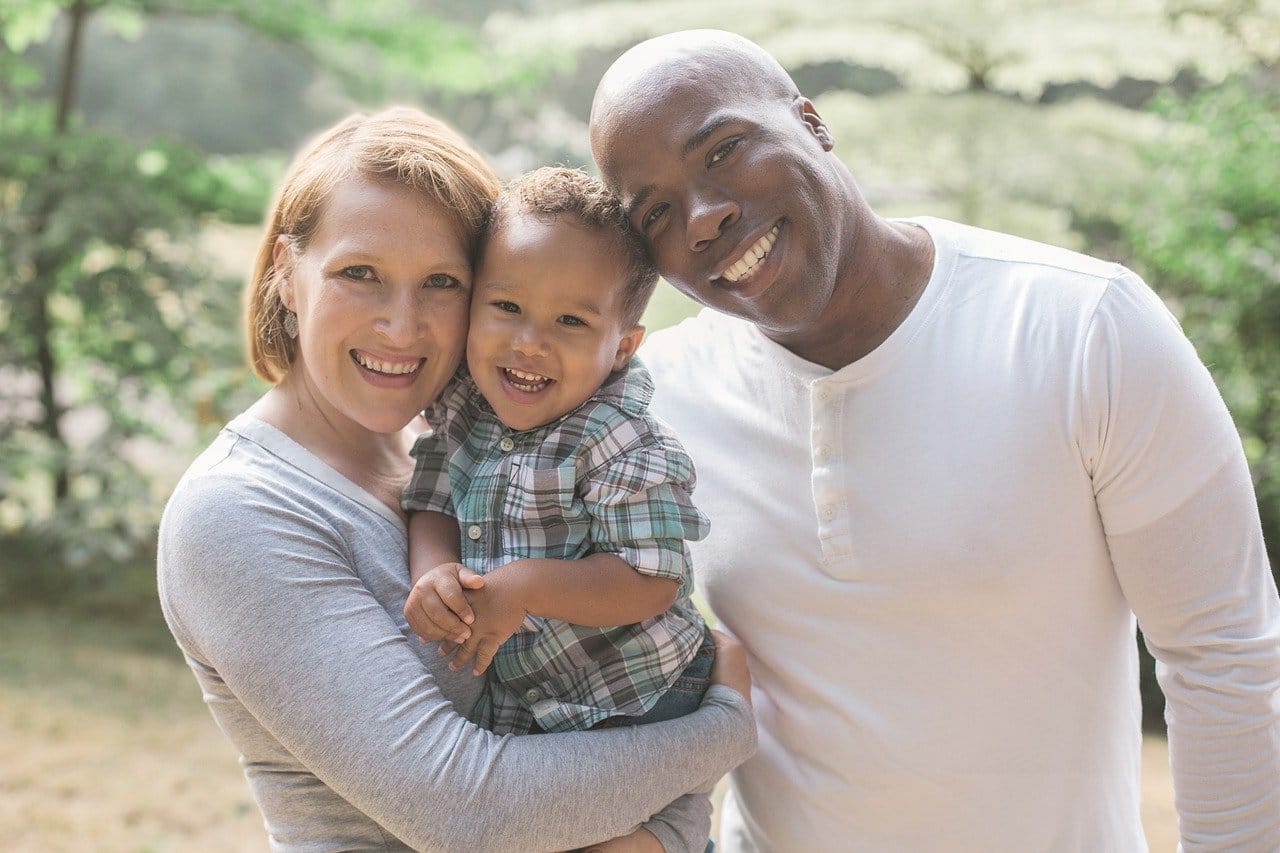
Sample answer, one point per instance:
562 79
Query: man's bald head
648 73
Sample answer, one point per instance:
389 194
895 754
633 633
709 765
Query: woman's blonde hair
400 146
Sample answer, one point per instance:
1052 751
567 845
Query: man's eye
506 307
570 320
653 215
359 273
443 281
723 151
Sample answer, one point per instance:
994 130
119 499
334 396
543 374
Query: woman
282 551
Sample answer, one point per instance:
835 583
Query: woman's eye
570 320
506 307
443 281
723 151
653 215
359 273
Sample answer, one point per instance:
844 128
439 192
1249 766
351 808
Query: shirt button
827 513
822 452
506 444
532 694
823 395
474 531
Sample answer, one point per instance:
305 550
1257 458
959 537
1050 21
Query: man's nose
709 214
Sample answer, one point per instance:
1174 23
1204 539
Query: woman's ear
282 258
627 347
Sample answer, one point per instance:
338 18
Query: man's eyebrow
641 196
704 132
691 144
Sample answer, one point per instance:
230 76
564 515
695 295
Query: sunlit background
139 142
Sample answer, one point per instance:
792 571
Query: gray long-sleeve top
283 583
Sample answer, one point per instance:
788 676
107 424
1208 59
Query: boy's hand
437 609
499 610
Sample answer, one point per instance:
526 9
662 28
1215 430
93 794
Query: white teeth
526 381
751 258
392 368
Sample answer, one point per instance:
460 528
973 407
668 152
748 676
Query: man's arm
1177 503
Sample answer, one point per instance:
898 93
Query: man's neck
870 302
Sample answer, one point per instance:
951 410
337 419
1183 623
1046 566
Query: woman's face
381 292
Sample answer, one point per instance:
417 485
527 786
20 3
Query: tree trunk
46 265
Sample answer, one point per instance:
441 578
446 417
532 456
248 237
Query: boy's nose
529 343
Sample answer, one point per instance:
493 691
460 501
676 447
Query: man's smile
746 265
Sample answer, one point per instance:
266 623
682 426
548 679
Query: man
944 468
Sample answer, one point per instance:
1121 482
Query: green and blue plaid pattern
605 477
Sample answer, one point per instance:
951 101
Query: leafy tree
114 341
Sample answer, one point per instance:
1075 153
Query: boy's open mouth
527 382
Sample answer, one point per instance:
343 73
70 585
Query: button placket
824 442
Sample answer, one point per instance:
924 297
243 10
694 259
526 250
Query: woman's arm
265 593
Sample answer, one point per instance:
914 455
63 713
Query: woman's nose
399 321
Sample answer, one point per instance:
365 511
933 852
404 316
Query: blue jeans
682 697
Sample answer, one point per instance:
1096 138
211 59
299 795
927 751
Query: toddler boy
569 499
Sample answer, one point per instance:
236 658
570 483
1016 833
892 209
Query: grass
107 746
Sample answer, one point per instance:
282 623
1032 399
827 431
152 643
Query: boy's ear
627 347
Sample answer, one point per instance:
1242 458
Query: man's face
737 196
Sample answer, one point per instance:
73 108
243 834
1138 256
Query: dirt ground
105 746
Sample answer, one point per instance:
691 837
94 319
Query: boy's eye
359 273
506 307
570 320
653 215
443 281
723 151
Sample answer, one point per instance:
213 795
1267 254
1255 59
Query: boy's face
546 318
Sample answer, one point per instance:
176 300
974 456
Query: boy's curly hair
556 190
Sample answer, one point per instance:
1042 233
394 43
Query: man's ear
627 347
282 261
818 127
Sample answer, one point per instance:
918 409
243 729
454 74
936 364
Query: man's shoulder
697 341
971 244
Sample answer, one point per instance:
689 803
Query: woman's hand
640 841
730 668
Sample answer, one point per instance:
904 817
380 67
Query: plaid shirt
605 477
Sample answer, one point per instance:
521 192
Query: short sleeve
639 497
429 487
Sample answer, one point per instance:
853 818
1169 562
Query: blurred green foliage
117 344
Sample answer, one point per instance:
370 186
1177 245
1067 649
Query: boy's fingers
423 625
465 653
469 579
450 592
485 650
424 609
436 610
